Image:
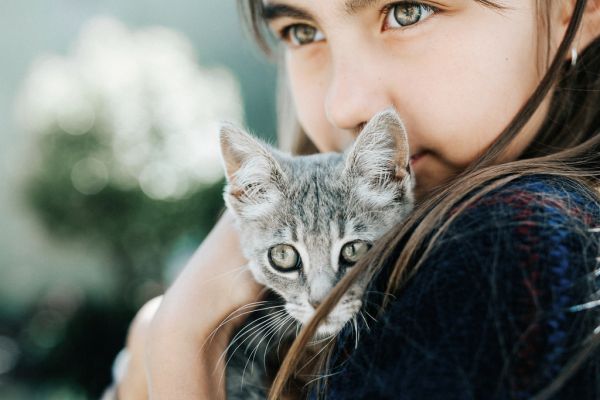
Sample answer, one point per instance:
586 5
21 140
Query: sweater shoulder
535 198
489 312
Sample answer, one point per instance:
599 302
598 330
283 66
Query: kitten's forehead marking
317 244
336 242
317 204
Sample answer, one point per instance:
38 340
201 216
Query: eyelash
388 8
284 33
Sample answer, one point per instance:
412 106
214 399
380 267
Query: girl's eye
302 34
353 251
284 258
400 15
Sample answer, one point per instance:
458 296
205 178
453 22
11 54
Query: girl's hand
176 340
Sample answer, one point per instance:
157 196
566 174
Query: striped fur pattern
317 204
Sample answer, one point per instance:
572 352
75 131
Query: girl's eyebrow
354 6
272 11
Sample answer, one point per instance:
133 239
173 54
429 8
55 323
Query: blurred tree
126 158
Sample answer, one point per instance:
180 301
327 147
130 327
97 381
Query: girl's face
457 72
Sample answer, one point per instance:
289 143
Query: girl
489 285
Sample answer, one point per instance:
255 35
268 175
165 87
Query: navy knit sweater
490 314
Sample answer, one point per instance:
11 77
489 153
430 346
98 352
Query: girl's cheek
466 89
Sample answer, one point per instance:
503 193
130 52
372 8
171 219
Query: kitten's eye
406 14
302 34
353 251
284 258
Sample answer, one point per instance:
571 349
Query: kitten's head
304 221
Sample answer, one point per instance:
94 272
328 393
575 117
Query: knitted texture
489 314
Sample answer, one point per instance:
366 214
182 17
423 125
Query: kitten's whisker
272 330
297 324
249 305
268 336
360 312
233 316
322 339
256 325
355 322
319 352
239 271
247 331
234 270
322 376
277 325
293 322
382 294
369 314
283 329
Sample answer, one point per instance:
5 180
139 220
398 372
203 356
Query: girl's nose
356 92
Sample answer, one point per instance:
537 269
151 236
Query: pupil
350 252
304 33
407 14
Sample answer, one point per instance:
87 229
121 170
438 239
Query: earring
573 56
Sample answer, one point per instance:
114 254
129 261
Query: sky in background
29 258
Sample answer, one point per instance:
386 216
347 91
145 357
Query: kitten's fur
317 204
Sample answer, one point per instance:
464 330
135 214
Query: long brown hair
567 144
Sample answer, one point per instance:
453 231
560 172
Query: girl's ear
590 26
252 173
591 23
381 149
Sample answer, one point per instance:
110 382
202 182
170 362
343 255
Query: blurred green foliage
138 230
70 341
57 341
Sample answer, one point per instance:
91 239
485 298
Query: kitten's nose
320 286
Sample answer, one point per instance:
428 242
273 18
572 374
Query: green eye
406 14
284 258
353 251
302 34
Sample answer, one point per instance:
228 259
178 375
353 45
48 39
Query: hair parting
567 144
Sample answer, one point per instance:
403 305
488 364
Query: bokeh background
109 170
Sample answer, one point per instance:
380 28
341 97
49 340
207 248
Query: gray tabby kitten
305 220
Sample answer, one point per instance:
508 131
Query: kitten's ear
380 156
252 173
